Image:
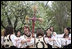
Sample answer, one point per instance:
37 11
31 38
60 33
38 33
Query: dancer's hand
28 40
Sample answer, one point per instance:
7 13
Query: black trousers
13 47
67 46
9 47
49 46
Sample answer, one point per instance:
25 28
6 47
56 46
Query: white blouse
18 42
2 40
13 37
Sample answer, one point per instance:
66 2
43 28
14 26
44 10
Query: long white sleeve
48 42
31 42
13 37
2 38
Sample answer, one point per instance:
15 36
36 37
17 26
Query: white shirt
70 35
60 35
56 41
31 42
47 41
13 37
2 40
62 40
23 38
53 37
18 42
69 40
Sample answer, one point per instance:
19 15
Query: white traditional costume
13 37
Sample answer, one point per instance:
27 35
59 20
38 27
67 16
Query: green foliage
58 15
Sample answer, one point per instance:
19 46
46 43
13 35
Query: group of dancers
41 39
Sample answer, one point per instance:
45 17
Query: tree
60 10
13 13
